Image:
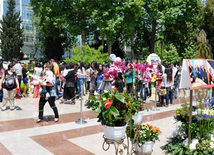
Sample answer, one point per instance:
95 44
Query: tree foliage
88 55
208 24
11 34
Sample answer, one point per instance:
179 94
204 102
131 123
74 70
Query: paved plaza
20 135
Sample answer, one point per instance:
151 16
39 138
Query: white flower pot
117 132
146 148
137 119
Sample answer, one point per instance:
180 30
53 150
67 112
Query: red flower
114 89
108 103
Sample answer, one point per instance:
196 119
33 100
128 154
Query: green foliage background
88 55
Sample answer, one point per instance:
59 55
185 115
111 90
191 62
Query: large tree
208 24
11 33
185 28
50 24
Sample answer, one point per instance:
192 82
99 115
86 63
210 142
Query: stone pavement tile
4 150
58 143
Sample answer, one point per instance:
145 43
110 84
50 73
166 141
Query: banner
197 73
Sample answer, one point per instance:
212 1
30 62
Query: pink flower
124 68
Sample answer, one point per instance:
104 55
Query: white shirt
164 82
79 71
174 71
38 71
163 68
18 69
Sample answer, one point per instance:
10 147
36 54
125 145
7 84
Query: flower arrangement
114 109
143 134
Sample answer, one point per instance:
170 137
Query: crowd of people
69 81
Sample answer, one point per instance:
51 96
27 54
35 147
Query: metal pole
80 121
155 108
190 118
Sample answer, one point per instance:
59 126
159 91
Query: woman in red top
159 81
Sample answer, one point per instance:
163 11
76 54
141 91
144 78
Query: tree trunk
132 44
152 41
109 49
103 45
83 39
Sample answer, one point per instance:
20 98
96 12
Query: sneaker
3 109
56 120
39 120
12 108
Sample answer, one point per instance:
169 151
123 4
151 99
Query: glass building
26 12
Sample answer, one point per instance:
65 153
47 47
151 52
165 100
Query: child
48 78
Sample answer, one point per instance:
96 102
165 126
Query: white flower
104 99
195 141
192 146
105 91
199 111
185 142
211 144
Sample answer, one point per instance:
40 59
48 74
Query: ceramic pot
146 148
137 119
117 132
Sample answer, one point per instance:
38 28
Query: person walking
51 100
18 71
1 74
167 83
130 79
9 82
80 77
38 74
69 87
56 73
25 78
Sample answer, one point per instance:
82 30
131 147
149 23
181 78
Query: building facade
26 12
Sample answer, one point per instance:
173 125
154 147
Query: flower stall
119 112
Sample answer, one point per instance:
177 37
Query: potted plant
114 111
143 137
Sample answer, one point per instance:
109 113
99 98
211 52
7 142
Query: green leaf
98 110
120 97
114 111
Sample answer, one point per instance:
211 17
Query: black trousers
129 88
51 101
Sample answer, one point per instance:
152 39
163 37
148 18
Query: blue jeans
80 82
56 88
1 95
165 96
143 91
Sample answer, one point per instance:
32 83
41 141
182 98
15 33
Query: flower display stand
117 143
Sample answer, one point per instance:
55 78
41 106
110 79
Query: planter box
146 148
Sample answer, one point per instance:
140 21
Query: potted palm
143 137
114 111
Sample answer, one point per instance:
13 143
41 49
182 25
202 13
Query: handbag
18 93
162 91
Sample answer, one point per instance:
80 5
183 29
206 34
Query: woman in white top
167 83
80 77
37 73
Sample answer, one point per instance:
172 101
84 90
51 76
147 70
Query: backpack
10 80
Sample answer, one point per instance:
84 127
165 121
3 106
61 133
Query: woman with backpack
10 82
